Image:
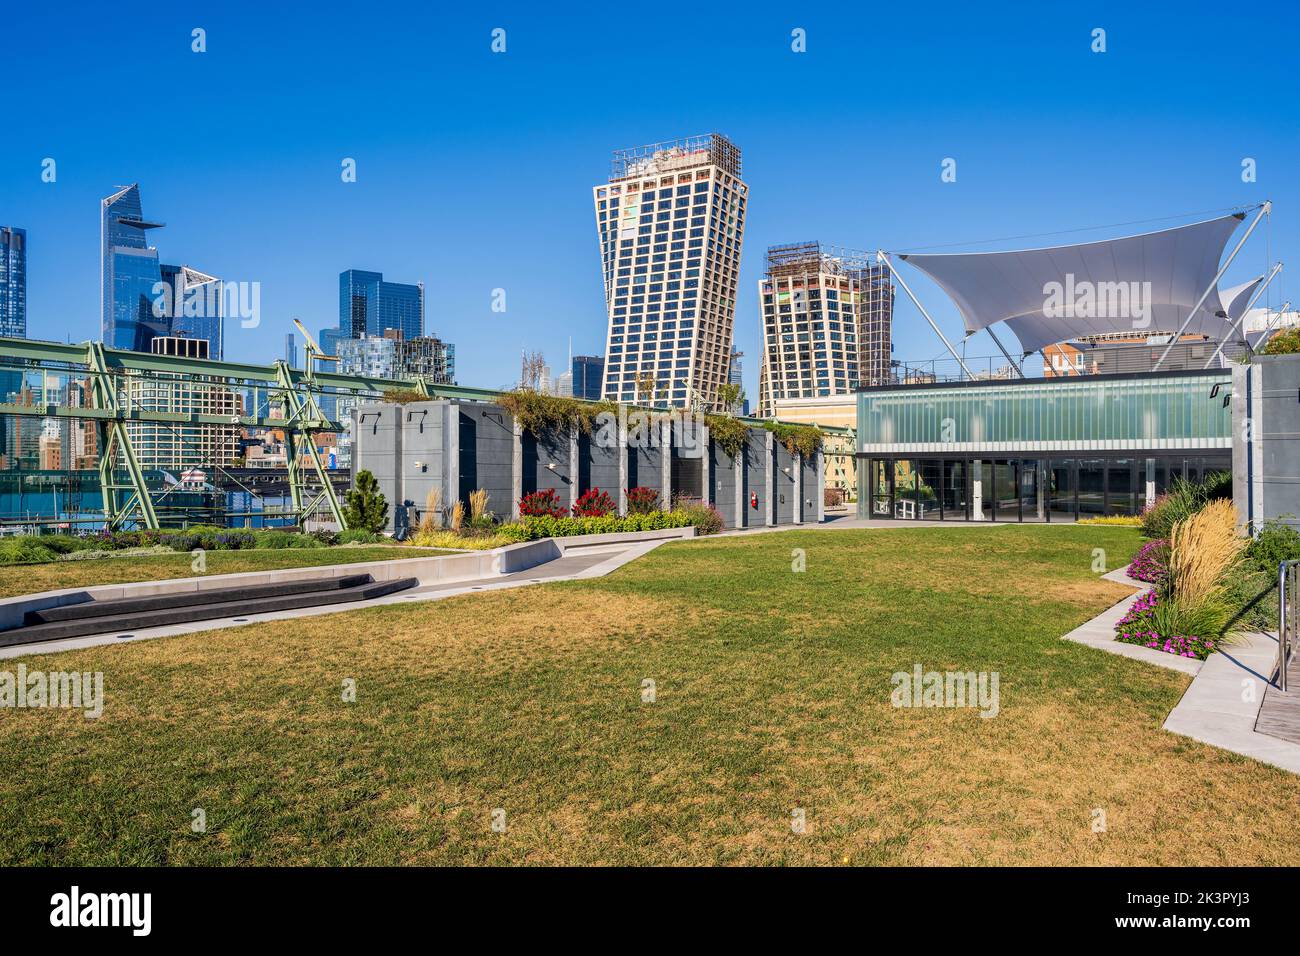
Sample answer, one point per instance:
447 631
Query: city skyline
269 205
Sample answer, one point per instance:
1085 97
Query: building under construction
827 314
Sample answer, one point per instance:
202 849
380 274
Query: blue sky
475 168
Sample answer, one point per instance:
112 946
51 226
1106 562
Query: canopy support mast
1264 210
1242 318
1019 373
882 256
1269 328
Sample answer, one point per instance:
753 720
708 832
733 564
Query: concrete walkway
575 564
1221 705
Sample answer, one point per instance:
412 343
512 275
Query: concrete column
573 465
1040 486
702 436
977 491
622 462
516 469
738 465
1151 482
451 452
798 488
769 463
820 499
666 463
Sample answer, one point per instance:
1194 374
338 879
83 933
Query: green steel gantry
293 390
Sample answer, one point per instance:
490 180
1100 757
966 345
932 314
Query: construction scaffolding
711 149
809 286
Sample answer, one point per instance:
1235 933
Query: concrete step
114 619
153 602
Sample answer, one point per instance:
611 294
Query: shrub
366 509
834 497
1275 543
1182 500
359 536
1123 521
24 550
706 518
542 504
1151 563
593 503
449 540
641 500
547 526
1284 342
798 439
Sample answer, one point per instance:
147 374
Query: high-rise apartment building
141 298
826 323
13 282
427 357
369 306
183 444
671 220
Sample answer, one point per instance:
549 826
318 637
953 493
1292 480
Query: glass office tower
13 282
130 271
671 220
195 308
368 306
588 376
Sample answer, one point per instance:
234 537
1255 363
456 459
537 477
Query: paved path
575 564
1221 706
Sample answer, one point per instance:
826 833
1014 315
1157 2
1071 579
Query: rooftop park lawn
22 579
771 693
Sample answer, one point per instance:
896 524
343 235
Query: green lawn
28 579
772 694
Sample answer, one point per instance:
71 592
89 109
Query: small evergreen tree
367 509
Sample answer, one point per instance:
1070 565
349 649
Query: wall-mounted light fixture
550 465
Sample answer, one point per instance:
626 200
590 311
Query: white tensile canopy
1138 284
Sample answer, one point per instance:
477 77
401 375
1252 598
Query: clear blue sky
474 168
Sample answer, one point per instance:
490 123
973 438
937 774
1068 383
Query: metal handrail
1288 615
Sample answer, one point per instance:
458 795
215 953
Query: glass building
588 376
1052 449
670 221
195 308
141 298
13 282
369 306
130 273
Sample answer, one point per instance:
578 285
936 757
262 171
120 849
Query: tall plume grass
478 502
431 520
1201 548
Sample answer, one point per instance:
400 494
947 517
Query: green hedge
534 529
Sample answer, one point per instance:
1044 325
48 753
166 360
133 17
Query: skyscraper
369 306
290 350
671 220
13 282
129 272
826 323
193 309
140 298
588 376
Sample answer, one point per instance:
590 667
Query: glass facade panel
1107 408
1121 490
1092 487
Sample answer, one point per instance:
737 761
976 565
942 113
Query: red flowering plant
593 503
542 504
641 500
